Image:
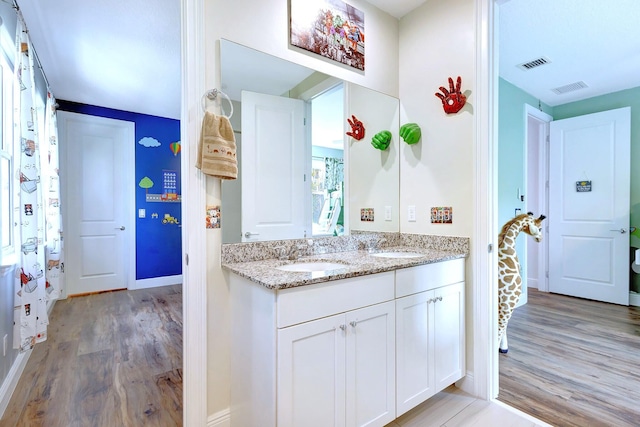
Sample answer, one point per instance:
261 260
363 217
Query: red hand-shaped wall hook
452 100
357 128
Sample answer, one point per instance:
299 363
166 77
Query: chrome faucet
374 244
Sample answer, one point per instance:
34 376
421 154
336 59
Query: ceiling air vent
569 88
535 63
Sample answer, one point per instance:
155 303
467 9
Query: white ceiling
125 54
118 54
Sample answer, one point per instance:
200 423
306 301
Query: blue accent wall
158 235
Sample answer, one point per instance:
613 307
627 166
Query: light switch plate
387 213
142 213
411 213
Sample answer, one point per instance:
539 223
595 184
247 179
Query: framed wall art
330 28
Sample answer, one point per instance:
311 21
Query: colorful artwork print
366 214
442 215
330 28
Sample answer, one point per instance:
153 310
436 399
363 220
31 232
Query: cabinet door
448 310
371 361
311 372
414 350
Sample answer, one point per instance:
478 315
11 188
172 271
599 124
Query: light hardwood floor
454 408
111 359
573 362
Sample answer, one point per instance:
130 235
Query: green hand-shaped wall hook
411 133
381 140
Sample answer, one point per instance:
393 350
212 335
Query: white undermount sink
311 266
397 254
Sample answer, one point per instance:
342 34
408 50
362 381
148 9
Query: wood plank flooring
111 359
573 362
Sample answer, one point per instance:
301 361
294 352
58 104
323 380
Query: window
6 158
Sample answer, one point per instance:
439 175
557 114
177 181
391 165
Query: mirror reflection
300 175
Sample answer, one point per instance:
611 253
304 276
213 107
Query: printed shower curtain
35 282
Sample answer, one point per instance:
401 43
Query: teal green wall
624 98
511 146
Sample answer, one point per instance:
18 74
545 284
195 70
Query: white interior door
99 181
274 146
589 206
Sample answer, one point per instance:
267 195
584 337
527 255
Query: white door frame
482 380
543 188
194 259
128 171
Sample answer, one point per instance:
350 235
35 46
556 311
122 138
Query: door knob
621 231
121 228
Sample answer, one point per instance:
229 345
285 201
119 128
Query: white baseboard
220 419
467 384
634 299
10 383
157 281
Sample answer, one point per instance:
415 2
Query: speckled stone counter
262 267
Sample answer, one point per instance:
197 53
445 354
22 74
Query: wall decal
452 100
149 142
175 147
168 219
330 28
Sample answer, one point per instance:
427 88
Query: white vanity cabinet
349 352
339 370
430 339
318 355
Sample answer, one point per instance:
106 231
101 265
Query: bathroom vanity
345 339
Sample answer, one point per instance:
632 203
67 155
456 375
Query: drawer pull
353 323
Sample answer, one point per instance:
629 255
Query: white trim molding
194 288
220 419
11 381
155 282
483 257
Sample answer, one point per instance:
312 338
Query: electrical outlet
387 213
411 213
4 345
142 213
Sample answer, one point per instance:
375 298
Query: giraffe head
532 226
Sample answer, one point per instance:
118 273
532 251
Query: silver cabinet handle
249 234
353 323
343 327
621 231
121 228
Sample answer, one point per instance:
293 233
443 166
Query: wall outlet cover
411 213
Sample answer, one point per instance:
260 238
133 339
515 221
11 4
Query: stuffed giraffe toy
509 280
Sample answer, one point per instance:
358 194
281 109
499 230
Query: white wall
373 180
263 25
437 41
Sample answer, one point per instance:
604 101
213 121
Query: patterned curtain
334 173
32 287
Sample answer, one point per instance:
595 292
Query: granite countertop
356 263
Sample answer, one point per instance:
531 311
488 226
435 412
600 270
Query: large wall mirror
300 175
